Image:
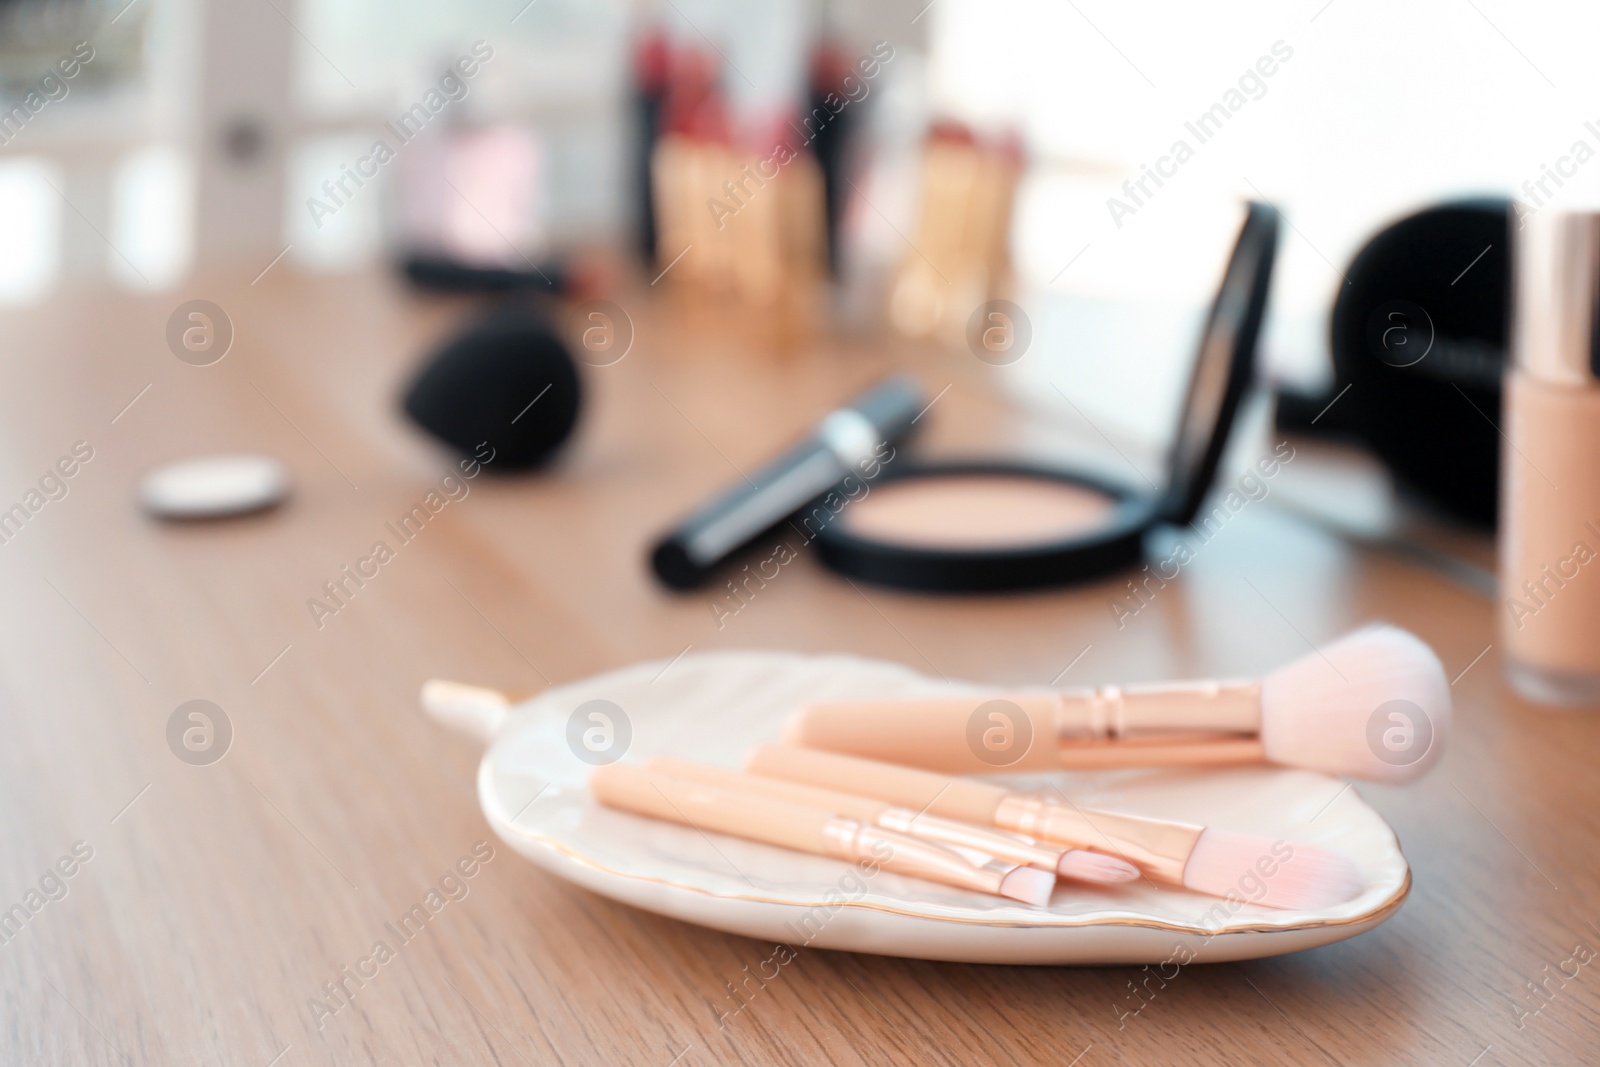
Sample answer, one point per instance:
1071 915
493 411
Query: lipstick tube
788 825
1550 473
1159 847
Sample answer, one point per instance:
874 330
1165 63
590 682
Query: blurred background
204 133
778 208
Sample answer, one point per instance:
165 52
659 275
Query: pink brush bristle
1275 874
1374 704
1085 866
1029 885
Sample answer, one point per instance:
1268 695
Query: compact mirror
991 526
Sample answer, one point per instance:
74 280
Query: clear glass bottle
1550 471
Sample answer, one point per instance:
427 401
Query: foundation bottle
1550 471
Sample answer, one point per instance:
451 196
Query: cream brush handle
472 709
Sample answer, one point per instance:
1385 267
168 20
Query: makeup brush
1075 863
472 709
818 831
1374 704
1277 874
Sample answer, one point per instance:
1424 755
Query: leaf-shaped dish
715 707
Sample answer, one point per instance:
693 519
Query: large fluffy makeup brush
1374 704
1277 874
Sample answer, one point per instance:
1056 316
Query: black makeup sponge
507 381
1419 339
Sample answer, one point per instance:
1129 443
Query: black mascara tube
844 442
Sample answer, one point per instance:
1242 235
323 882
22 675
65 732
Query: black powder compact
988 526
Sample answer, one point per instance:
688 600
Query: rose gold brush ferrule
996 844
1113 712
857 842
1159 847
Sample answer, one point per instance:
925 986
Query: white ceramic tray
714 707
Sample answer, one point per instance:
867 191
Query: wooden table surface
217 900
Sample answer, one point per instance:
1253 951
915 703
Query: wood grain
219 899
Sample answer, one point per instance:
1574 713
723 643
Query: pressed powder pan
988 526
980 510
980 526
